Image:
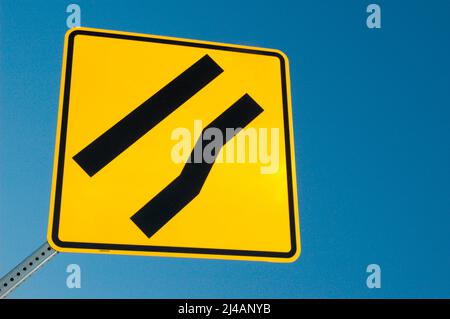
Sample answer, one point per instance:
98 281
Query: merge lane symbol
183 189
122 135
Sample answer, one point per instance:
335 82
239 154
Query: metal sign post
25 269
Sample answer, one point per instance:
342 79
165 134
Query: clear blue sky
372 125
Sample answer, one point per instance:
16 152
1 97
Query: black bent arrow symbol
157 212
183 189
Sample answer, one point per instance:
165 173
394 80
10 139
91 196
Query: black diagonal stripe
141 120
158 211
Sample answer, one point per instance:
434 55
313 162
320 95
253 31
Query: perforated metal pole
25 269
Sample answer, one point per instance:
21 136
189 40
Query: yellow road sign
173 147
